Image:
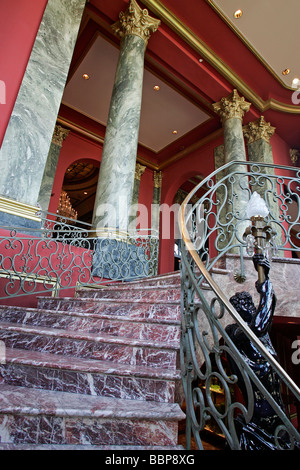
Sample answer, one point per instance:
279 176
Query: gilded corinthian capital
233 106
259 129
139 171
59 135
135 21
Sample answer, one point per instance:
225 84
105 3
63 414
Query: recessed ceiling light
286 71
85 76
175 132
200 60
156 88
85 192
238 13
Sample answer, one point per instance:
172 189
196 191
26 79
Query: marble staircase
97 371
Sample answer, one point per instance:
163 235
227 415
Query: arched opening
181 193
80 185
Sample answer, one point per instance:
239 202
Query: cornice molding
209 55
242 38
20 209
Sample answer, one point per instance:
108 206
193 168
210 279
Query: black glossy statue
259 433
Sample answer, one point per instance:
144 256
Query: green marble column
27 141
155 213
116 178
139 170
59 135
231 111
257 135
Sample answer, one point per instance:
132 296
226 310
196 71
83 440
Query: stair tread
100 315
85 447
30 401
42 359
116 301
87 336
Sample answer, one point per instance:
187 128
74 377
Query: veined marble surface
25 148
116 179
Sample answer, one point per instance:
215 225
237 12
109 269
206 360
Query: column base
16 215
117 259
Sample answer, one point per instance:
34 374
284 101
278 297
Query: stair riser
167 313
113 327
132 388
134 295
27 429
124 354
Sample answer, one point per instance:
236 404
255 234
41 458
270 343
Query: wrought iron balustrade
61 255
216 339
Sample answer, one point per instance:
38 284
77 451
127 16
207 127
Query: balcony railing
225 346
62 255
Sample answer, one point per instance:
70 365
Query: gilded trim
247 43
19 209
208 54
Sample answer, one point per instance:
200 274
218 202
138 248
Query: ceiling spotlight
175 132
286 71
85 76
238 13
156 88
200 60
85 192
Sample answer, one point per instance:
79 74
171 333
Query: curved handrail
186 239
189 249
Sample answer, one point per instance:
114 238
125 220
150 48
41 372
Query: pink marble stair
98 346
97 371
133 293
116 325
76 375
30 416
165 312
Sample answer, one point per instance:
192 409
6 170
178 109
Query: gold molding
32 278
185 33
19 209
247 43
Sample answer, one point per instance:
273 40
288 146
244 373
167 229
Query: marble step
168 279
39 370
92 322
138 293
166 312
90 345
82 447
30 416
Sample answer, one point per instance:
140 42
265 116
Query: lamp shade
256 206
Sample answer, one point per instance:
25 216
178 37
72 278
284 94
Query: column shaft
59 136
25 148
231 110
116 179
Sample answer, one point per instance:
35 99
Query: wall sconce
259 236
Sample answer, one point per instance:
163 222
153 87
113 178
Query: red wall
198 162
19 24
74 148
